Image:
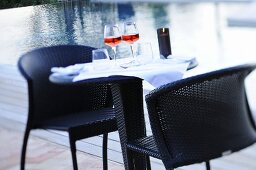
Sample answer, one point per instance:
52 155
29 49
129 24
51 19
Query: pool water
196 29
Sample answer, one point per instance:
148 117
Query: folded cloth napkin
180 59
70 70
157 73
176 58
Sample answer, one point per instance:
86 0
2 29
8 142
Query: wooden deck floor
13 114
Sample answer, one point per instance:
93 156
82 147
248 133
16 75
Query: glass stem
132 52
114 49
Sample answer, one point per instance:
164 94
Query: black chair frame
81 110
186 117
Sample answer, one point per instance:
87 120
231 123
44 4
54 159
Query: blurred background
213 31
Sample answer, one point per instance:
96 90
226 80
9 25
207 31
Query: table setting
141 63
156 73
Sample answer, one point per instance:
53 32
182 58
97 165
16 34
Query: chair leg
24 148
73 152
148 163
105 151
208 166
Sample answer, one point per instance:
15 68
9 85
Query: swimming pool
197 29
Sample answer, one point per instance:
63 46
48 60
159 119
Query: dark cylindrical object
164 42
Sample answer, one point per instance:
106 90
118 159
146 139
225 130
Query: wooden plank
13 108
13 88
12 116
14 94
13 100
81 145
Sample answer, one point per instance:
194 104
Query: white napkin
164 73
71 70
157 73
176 58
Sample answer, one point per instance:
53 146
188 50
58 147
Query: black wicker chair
81 110
198 119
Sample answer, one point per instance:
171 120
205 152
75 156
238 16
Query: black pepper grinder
164 42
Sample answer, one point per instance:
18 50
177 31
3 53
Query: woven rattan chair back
65 107
203 117
49 100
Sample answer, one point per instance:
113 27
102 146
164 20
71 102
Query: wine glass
131 35
112 37
144 53
100 59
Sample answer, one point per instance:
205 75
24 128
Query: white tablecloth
157 73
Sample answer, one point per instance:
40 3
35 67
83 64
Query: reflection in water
47 30
75 22
195 30
69 16
160 15
125 11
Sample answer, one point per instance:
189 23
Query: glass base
132 63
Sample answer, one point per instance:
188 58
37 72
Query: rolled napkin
181 59
71 70
176 58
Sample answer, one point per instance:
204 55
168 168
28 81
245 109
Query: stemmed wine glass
131 35
112 37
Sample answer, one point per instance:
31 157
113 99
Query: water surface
198 29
